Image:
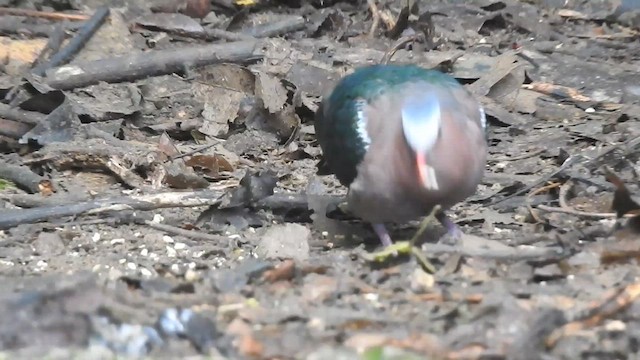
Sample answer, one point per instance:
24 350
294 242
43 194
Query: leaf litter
176 209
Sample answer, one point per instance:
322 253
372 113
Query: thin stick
375 13
520 157
201 149
562 194
630 145
571 211
400 43
77 43
186 233
566 209
11 218
43 14
538 191
152 63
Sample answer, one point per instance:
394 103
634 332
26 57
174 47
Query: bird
402 139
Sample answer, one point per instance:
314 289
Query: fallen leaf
213 164
271 91
166 146
506 76
249 346
282 272
23 51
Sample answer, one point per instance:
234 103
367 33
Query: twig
625 34
566 209
186 233
557 90
25 117
116 165
375 13
471 298
142 65
567 164
512 254
277 28
56 38
11 218
400 43
201 149
538 191
37 200
562 194
42 14
520 157
77 43
226 35
23 177
571 211
293 202
630 144
13 129
16 26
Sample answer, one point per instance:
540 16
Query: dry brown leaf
282 272
271 91
213 164
505 77
25 51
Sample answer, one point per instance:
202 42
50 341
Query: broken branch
11 218
512 254
277 28
21 116
142 65
42 14
77 43
23 177
183 232
16 26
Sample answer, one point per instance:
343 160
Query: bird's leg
453 231
382 233
404 247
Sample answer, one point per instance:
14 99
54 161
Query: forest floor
166 204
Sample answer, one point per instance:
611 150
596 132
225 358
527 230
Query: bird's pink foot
382 233
454 233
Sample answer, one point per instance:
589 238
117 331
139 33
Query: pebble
285 241
146 272
191 275
168 239
171 252
48 244
421 281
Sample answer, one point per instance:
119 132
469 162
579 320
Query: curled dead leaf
211 165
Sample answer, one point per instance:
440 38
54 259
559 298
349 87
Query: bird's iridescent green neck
341 123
